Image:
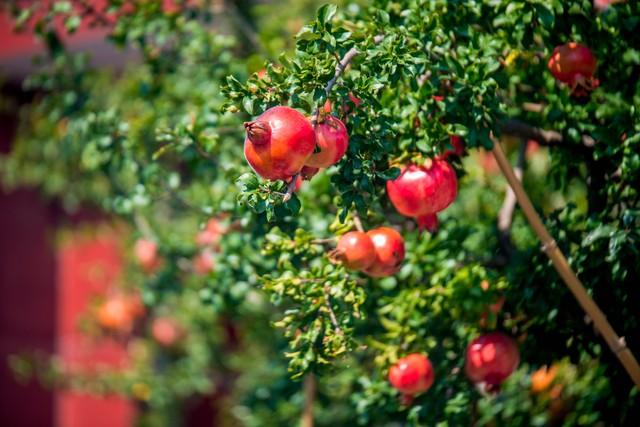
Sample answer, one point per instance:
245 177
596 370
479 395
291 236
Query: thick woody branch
544 137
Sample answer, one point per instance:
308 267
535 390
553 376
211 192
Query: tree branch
340 67
309 400
544 137
505 215
357 222
332 314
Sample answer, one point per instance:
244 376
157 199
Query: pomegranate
602 5
423 190
116 314
332 140
491 358
166 331
542 378
574 64
211 234
412 374
204 262
278 143
356 250
458 147
146 253
389 247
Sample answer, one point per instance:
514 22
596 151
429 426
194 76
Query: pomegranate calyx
258 132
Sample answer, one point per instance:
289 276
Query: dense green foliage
160 145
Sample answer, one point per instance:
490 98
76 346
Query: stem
332 314
357 222
616 344
505 216
290 188
309 400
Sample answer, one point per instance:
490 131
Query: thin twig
322 241
332 314
143 225
340 67
245 26
505 215
357 222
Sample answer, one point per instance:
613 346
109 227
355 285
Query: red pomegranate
166 331
602 5
211 234
332 140
204 262
574 64
412 374
278 143
423 190
389 246
146 253
356 250
491 358
458 147
116 314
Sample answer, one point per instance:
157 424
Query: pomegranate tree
412 374
491 358
278 143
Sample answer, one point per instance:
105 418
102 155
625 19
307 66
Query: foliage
159 145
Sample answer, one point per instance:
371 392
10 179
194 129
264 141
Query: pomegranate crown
258 132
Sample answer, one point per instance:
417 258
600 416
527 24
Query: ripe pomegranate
166 331
278 143
389 247
412 374
115 314
542 378
491 358
356 250
458 147
204 262
146 253
211 234
423 190
574 64
602 5
332 140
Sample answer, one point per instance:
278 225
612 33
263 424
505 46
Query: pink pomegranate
332 140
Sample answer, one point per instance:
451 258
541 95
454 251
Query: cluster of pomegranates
489 360
574 65
377 253
283 143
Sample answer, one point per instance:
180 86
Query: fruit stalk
616 344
